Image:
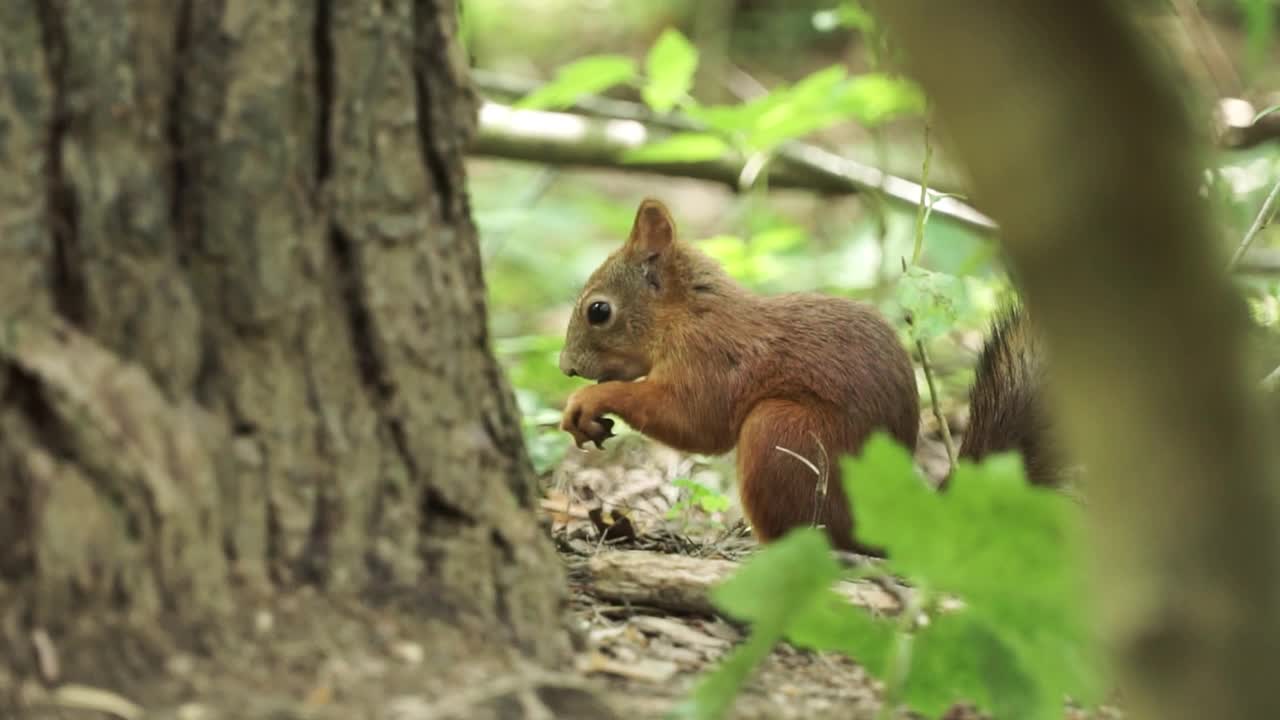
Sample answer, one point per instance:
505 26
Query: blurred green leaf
707 499
824 98
587 76
799 110
958 658
713 695
990 526
934 300
772 589
752 263
830 623
669 68
1259 23
733 120
875 98
778 578
680 148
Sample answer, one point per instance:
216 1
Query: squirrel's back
843 352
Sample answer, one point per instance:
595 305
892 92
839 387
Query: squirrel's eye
598 312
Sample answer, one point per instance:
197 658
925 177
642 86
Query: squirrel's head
612 330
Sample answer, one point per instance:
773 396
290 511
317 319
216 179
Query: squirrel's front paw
584 418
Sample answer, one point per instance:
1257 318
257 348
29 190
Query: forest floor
642 627
637 589
645 630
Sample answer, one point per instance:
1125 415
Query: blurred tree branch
600 131
1149 377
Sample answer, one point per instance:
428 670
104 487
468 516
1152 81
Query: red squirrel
690 358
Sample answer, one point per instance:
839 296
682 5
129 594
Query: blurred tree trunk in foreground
243 340
1081 149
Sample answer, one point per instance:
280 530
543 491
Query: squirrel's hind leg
789 474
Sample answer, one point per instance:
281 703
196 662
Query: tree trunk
243 340
1083 151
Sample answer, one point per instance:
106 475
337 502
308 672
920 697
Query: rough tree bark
243 341
1093 178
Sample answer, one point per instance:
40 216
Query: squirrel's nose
566 368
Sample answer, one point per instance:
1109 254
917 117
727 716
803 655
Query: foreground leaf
774 587
1008 550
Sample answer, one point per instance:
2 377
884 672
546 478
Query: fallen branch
681 584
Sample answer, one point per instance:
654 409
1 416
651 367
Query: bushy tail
1005 411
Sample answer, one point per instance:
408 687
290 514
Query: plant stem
937 409
900 657
1265 214
924 195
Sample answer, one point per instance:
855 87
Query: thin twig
937 408
820 488
947 441
820 502
1265 214
801 458
922 210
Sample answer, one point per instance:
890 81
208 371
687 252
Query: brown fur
1005 402
695 361
723 367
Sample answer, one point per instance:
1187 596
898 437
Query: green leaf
688 147
779 578
734 120
934 300
758 261
875 98
830 623
582 77
1259 23
704 497
1006 548
713 502
894 503
959 659
772 589
670 66
713 695
799 110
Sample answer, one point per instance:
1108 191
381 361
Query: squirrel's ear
653 230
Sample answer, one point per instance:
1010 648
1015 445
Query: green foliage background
544 229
